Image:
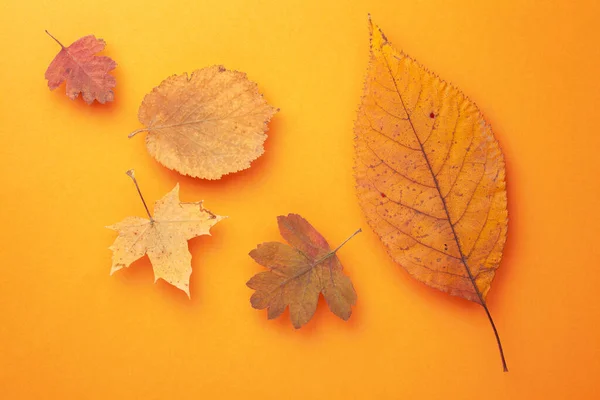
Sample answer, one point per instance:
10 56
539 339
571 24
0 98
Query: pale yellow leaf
163 238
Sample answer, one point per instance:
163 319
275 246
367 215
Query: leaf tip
253 253
115 268
283 218
297 325
376 34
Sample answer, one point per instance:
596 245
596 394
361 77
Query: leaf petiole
55 39
131 174
132 134
337 248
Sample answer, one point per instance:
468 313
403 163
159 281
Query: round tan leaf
206 125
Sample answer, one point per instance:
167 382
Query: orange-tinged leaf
83 71
163 237
299 273
430 176
205 125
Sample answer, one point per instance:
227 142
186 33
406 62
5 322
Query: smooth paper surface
68 330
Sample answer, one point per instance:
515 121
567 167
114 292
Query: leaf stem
55 39
132 134
487 312
337 248
345 241
131 174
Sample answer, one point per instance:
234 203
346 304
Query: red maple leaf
83 71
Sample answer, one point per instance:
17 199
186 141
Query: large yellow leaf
205 125
430 176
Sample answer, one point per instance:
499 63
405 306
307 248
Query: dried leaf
299 273
83 71
163 237
430 176
205 125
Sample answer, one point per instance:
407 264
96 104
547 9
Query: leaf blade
298 275
83 71
164 238
430 176
411 133
205 125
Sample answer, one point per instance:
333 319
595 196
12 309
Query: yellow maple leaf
205 125
163 237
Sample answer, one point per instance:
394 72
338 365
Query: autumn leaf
430 176
299 272
205 125
163 237
83 71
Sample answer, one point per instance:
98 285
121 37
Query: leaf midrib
312 264
435 181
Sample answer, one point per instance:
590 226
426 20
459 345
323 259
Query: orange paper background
70 331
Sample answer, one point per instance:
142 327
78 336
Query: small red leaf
83 71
